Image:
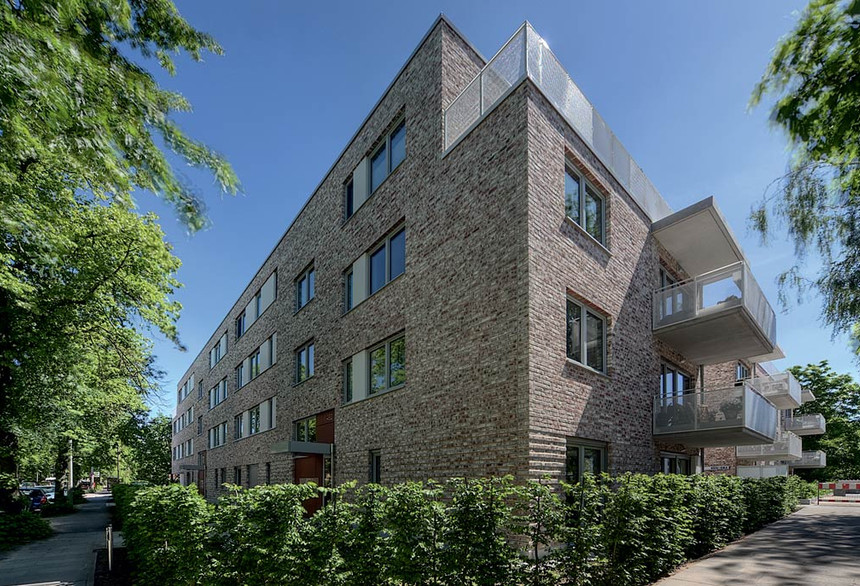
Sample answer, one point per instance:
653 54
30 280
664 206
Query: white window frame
583 358
584 186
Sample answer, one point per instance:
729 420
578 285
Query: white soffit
699 238
777 354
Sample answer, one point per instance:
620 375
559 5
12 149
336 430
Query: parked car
38 499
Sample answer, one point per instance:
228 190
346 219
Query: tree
84 277
813 77
149 440
837 398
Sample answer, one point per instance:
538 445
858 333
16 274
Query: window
218 393
387 366
375 473
254 420
349 200
674 382
388 261
239 427
240 325
388 156
218 351
347 291
200 390
347 381
218 435
742 372
584 205
304 288
675 464
592 330
237 475
240 376
254 368
583 457
200 425
305 430
268 473
305 362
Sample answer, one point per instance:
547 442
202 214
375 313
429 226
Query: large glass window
674 382
397 363
254 420
305 362
388 261
592 329
397 255
675 464
584 456
304 288
378 167
398 145
584 204
390 153
377 270
387 366
377 370
255 364
305 430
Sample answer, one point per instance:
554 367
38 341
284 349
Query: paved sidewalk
65 558
817 545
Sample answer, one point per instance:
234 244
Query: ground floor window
584 456
675 464
375 474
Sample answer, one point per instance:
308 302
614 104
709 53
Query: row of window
259 303
257 419
590 457
185 388
218 393
183 450
383 160
218 435
385 263
384 365
219 351
259 361
184 420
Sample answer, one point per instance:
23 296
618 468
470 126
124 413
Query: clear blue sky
671 78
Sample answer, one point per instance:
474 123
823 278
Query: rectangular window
674 382
268 473
254 420
240 376
239 427
305 362
240 325
347 381
675 464
200 390
200 425
388 261
375 474
592 329
347 291
378 166
304 288
237 475
742 372
387 366
584 457
388 156
305 430
398 145
349 200
254 365
584 204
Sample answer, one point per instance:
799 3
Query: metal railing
732 407
527 56
811 459
813 424
718 290
786 446
781 388
762 471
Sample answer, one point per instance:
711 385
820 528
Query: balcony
786 446
716 317
805 424
806 396
781 389
811 459
734 416
762 471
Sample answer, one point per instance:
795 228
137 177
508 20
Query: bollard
109 545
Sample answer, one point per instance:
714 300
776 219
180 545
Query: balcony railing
811 459
781 389
762 471
813 424
722 417
786 446
527 56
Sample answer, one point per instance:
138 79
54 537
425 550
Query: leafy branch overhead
813 81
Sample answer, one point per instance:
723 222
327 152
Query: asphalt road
817 545
65 558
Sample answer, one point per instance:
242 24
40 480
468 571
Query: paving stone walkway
817 545
66 558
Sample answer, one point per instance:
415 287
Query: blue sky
671 78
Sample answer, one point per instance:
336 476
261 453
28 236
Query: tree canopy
814 81
85 278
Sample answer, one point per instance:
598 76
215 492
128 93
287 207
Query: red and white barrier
841 484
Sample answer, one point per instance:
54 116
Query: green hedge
606 531
18 528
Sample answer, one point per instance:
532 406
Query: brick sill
587 368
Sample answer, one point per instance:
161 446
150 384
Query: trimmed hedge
627 530
19 528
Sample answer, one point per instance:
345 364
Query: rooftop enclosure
715 317
813 424
781 389
811 459
762 471
786 446
732 416
527 56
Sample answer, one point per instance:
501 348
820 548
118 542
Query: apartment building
484 283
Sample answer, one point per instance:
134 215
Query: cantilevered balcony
734 416
715 317
811 459
762 471
781 389
786 446
813 424
806 396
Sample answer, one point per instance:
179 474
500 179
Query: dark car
38 499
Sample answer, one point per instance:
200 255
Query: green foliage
837 398
813 80
608 532
22 528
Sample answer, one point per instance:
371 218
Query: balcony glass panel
786 446
781 389
813 424
811 459
762 471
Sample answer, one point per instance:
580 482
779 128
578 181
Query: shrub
23 527
717 506
766 500
58 507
